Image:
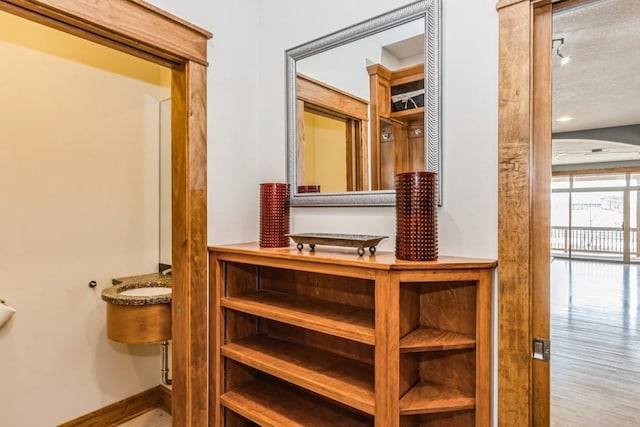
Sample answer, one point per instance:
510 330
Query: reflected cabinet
327 338
397 123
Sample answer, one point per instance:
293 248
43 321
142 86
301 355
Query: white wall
79 191
246 116
468 219
232 113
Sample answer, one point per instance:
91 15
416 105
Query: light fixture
556 44
564 119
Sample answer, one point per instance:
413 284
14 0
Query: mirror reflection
362 109
357 106
165 182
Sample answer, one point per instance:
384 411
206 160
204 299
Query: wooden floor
595 335
153 418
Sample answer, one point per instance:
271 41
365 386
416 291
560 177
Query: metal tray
359 241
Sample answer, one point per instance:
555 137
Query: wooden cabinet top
345 257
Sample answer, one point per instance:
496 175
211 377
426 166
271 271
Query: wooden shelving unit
326 338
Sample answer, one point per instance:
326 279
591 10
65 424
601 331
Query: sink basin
150 291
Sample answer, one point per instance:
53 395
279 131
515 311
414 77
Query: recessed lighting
564 119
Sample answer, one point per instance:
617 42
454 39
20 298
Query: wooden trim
189 213
596 171
407 74
216 338
300 152
524 179
150 54
387 354
514 215
324 99
506 3
145 31
541 206
379 70
351 142
164 399
484 348
331 99
124 410
131 23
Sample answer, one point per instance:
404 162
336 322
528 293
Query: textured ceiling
600 86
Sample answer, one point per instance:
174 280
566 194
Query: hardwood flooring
595 336
154 418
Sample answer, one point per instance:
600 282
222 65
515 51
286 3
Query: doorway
148 32
594 370
524 158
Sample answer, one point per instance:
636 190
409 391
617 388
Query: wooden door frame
524 173
147 32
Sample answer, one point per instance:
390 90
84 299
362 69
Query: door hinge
541 349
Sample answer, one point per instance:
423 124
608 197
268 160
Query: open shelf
332 376
303 340
428 398
339 320
267 402
411 114
432 339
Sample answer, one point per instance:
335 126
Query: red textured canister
416 216
274 215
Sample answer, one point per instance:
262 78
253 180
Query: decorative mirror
363 104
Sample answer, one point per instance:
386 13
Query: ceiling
600 86
579 151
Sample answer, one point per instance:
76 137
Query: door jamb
145 31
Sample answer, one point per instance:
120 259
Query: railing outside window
596 240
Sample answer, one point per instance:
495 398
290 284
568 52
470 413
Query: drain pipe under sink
165 364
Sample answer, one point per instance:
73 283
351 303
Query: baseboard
164 399
126 409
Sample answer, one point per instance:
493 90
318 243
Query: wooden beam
514 216
541 206
189 255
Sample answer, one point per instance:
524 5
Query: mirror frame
430 10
